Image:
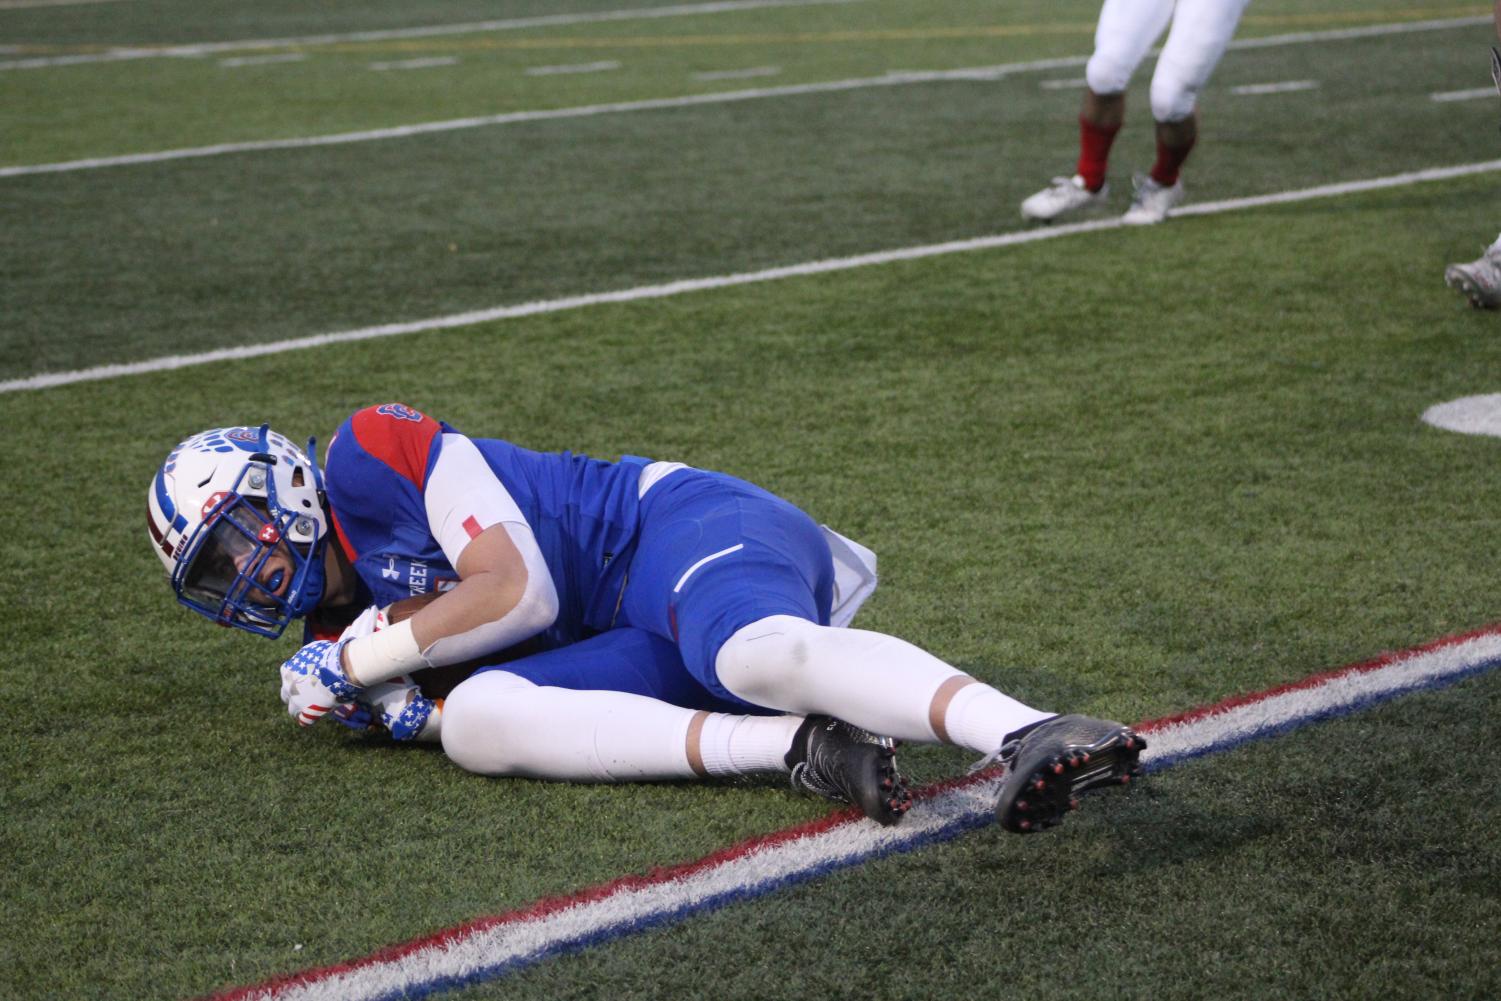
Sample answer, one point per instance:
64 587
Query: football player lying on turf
678 607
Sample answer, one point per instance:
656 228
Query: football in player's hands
408 607
435 682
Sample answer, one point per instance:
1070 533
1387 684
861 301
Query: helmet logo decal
400 411
268 534
213 501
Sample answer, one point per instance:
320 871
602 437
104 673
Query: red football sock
1169 162
1094 152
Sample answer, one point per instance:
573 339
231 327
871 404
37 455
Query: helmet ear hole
297 480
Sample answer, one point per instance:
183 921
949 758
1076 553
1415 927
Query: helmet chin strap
313 583
316 580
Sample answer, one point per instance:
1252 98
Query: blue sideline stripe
948 832
1331 712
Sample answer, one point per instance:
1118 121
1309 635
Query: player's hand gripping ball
313 682
396 706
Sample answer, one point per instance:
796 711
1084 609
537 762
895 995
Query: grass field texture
1117 472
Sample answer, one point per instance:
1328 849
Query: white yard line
284 57
427 62
1073 83
1463 95
1286 87
892 79
24 4
687 285
427 31
507 118
603 66
745 74
1364 31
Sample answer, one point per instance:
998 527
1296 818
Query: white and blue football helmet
217 509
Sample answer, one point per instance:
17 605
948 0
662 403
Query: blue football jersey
392 496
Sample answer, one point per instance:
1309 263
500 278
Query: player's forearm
484 613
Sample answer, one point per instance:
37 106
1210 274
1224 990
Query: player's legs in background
1201 31
1123 36
1479 281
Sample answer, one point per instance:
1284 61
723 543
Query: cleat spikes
1031 800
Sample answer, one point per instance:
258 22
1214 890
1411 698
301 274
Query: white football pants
1126 31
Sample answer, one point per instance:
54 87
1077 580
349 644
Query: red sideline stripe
543 908
1314 681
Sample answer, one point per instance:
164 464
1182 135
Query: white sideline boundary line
894 79
490 948
392 34
686 285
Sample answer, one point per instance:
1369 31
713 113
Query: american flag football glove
404 714
397 706
313 682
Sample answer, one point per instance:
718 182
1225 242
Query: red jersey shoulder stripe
399 436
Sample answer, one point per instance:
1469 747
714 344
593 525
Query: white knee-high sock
980 717
498 723
875 681
740 745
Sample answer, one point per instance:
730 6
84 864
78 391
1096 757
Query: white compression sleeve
537 609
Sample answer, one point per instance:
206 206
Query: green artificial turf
1124 510
1282 870
1124 473
142 261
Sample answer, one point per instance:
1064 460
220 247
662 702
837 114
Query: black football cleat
1052 763
846 764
